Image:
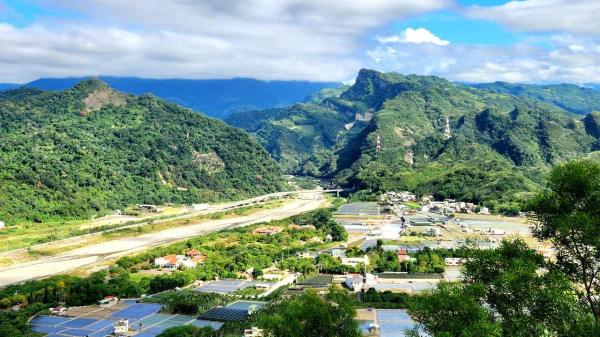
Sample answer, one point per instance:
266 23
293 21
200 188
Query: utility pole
378 143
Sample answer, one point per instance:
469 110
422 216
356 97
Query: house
169 261
304 254
2 224
192 263
336 253
452 261
308 227
107 300
424 208
402 255
354 283
254 332
148 208
121 327
434 231
329 238
484 210
177 289
262 286
18 307
58 310
267 230
294 226
354 261
547 254
315 239
373 328
193 253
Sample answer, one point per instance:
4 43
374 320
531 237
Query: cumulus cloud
420 35
569 59
573 16
265 39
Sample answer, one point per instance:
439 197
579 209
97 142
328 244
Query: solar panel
129 302
49 320
155 330
200 323
145 334
152 320
136 311
244 305
224 315
167 324
101 324
79 323
46 329
181 319
77 332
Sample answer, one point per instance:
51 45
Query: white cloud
265 39
565 58
574 16
420 35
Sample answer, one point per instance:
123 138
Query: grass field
250 291
137 277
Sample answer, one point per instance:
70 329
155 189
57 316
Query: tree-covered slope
215 98
501 144
90 150
579 100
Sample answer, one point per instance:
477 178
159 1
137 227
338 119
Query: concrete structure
402 255
2 224
193 262
263 286
452 261
336 253
121 327
199 207
354 261
58 310
355 283
267 230
434 231
494 231
148 208
254 332
484 210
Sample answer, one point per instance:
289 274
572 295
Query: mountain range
91 150
502 143
214 98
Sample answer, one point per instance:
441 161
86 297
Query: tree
569 216
311 314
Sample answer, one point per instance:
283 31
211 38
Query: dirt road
88 256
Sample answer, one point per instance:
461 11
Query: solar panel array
136 312
394 323
224 315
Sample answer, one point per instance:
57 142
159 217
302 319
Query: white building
199 207
2 224
193 262
254 332
497 231
434 231
354 261
354 283
122 327
452 261
484 210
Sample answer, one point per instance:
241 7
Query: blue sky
532 41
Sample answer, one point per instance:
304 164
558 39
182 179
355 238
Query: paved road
88 256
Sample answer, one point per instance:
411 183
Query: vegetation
215 98
573 98
512 290
90 150
500 148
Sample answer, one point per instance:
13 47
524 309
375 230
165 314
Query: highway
94 254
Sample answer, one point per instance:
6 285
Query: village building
336 253
315 239
354 261
452 261
354 283
402 255
193 253
121 327
267 230
254 332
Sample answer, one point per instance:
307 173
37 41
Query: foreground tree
331 315
507 291
569 217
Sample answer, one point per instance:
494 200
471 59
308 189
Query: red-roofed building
402 255
294 226
193 253
169 261
268 230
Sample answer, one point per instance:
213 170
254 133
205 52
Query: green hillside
570 97
91 150
501 144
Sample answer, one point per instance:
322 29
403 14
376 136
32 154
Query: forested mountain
215 98
500 147
579 100
6 86
90 150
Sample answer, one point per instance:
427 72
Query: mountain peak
91 85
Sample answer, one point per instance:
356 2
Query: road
88 256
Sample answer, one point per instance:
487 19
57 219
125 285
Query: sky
526 41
